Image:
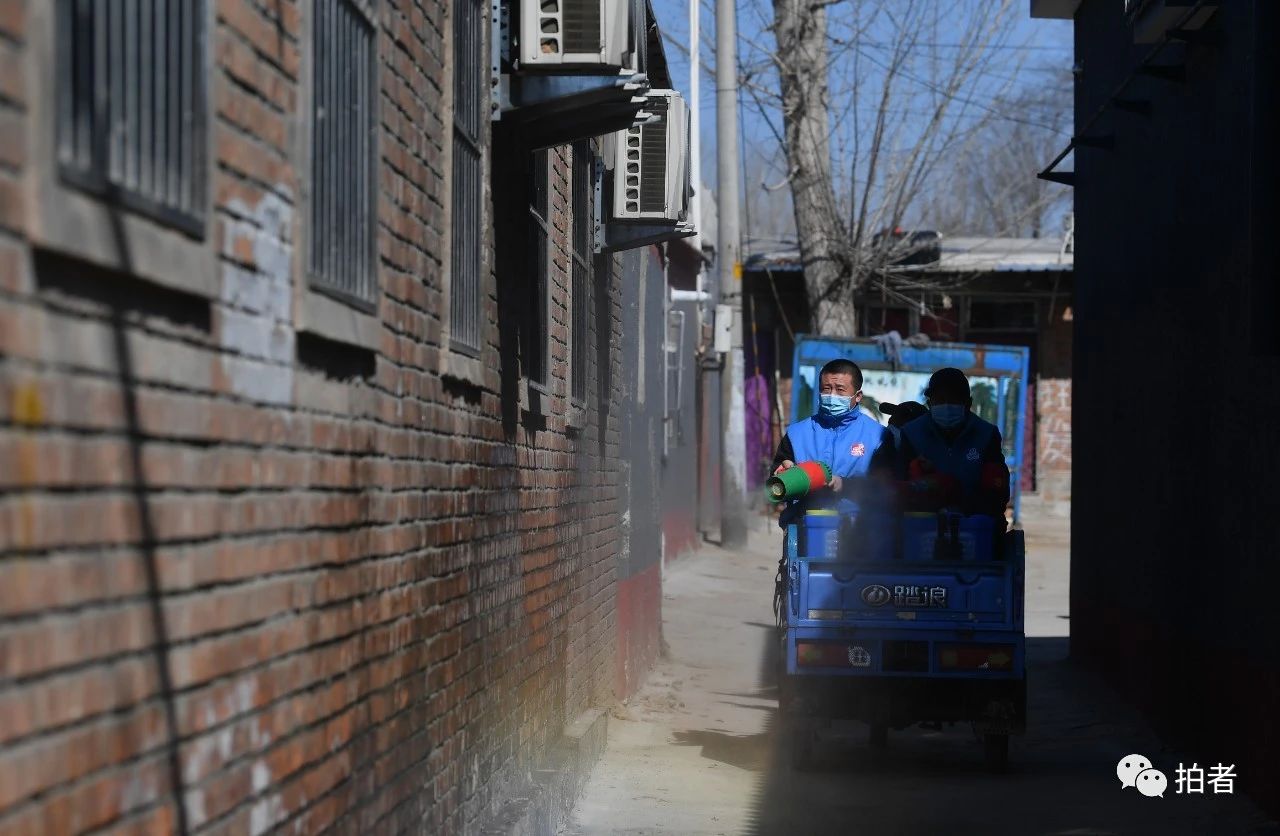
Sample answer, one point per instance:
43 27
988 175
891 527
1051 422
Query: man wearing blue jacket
840 436
951 457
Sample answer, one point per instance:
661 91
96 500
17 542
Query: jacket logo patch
858 449
972 455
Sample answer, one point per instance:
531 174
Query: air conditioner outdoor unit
578 34
651 163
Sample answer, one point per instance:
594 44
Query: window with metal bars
343 230
583 249
469 115
675 355
131 106
535 345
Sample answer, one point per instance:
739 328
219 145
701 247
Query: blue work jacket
846 445
962 457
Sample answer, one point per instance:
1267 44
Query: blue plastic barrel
920 533
873 537
821 534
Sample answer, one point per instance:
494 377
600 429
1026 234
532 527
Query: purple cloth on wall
759 437
758 360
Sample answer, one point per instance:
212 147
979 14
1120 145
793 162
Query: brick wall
1053 438
255 577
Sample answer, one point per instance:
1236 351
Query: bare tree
874 109
994 190
770 219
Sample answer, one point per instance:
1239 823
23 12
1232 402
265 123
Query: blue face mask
835 405
948 415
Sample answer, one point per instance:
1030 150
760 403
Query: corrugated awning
959 255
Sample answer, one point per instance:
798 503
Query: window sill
534 399
461 367
77 224
327 317
575 418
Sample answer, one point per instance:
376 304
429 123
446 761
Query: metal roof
990 255
959 255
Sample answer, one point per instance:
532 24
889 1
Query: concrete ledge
540 806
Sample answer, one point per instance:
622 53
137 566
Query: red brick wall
323 597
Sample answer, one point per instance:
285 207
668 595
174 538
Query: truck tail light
975 657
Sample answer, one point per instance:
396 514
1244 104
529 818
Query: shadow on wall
601 298
516 281
126 301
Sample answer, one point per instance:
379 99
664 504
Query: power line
935 88
932 44
892 111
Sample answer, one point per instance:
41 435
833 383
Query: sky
1034 49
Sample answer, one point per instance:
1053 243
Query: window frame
320 308
1030 302
367 10
95 180
580 292
536 394
673 355
65 216
466 366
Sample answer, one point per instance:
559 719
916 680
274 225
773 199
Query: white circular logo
876 595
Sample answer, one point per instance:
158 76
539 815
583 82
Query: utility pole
695 130
733 523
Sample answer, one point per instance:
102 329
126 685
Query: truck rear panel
944 619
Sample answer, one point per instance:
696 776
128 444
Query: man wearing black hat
901 414
951 457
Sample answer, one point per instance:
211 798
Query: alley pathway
694 752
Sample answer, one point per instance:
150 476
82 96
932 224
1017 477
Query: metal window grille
469 97
583 235
344 151
131 105
535 330
675 375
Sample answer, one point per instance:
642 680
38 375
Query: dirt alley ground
695 752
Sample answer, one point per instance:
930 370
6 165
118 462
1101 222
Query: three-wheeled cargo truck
931 634
905 619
